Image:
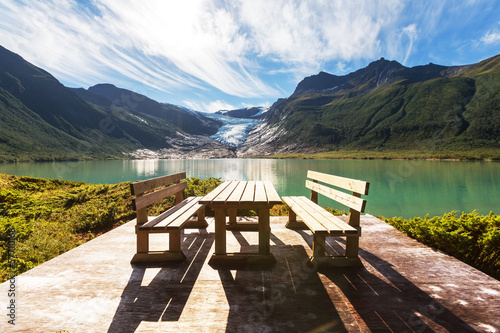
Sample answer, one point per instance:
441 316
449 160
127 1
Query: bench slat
272 196
344 198
180 206
181 219
295 204
358 186
329 221
150 184
148 199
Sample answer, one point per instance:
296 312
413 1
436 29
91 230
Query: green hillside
458 109
41 119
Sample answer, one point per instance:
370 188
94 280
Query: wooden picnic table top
237 192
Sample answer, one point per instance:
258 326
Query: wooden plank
249 193
295 204
260 193
179 221
166 221
312 209
150 184
224 195
355 185
237 193
165 214
330 221
344 198
207 199
272 196
148 199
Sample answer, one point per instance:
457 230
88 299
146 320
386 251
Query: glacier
234 131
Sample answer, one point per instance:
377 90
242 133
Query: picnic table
233 195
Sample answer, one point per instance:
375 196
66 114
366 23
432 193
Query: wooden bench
322 223
171 221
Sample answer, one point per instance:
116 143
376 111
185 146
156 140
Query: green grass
487 154
51 216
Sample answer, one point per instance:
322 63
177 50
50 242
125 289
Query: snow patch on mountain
261 112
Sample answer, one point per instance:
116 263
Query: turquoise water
397 188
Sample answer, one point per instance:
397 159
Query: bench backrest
353 201
142 201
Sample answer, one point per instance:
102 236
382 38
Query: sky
209 55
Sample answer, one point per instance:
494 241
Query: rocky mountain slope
386 106
40 119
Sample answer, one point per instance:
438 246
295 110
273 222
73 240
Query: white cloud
491 37
164 45
306 34
174 46
209 107
169 45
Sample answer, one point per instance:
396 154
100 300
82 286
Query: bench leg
142 242
318 246
351 247
174 237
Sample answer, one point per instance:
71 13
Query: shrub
472 238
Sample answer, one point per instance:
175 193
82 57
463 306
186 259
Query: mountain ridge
383 106
386 106
43 111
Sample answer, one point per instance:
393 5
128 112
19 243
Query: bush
49 216
472 238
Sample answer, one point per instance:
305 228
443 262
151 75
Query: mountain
386 106
189 122
41 119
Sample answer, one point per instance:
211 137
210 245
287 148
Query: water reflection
398 188
146 168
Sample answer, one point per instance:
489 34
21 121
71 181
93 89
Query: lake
404 188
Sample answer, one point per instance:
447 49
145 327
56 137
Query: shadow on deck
402 286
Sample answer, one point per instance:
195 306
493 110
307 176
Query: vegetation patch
43 218
482 154
471 238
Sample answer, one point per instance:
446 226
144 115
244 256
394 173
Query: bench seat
319 220
174 218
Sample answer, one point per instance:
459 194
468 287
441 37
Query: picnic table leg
220 231
264 231
232 215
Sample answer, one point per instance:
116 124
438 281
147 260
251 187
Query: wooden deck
403 286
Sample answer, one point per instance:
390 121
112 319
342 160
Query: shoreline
292 156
